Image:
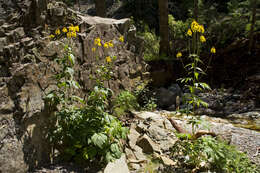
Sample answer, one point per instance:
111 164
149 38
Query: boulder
147 145
167 97
118 166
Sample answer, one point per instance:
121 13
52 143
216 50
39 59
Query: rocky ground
152 135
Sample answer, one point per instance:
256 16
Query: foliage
151 43
209 154
87 131
226 27
177 28
68 2
125 102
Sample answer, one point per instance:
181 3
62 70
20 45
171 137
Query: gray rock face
27 67
118 166
147 144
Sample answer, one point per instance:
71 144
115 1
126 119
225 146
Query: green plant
151 42
194 72
84 130
125 102
209 154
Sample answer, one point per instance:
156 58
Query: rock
26 41
167 161
205 111
3 43
148 115
122 24
2 32
175 88
147 145
118 166
129 154
135 166
53 48
248 115
166 98
6 103
141 128
132 137
12 156
138 151
156 132
19 33
166 144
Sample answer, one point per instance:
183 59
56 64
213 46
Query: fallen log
197 135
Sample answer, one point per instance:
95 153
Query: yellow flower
93 49
108 59
195 26
110 44
179 54
201 29
76 28
121 39
97 41
189 32
57 32
71 28
202 39
106 45
64 30
74 34
52 36
69 35
213 50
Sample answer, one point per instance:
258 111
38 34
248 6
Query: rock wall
26 67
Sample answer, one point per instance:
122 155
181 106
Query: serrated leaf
99 139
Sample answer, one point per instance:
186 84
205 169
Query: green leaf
109 157
75 84
71 59
196 74
92 152
205 86
78 99
115 150
99 139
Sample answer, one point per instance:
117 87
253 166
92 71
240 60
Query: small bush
209 154
86 132
124 103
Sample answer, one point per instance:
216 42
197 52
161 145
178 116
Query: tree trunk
100 8
164 28
196 9
251 35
